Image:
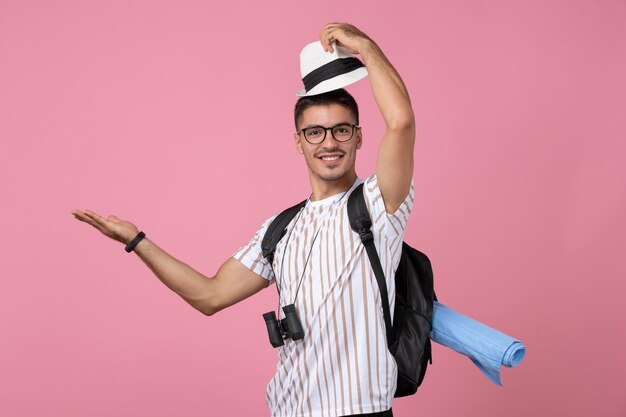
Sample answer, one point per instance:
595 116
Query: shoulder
392 223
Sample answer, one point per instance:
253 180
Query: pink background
178 116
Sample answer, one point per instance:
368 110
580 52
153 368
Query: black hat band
330 70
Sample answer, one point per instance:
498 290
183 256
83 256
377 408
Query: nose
329 141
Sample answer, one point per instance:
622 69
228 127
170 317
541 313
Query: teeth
330 158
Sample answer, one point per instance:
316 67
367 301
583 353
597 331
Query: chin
332 176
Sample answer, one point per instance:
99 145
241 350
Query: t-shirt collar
335 197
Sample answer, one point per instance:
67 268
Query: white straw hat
326 71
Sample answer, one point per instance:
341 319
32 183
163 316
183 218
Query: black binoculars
288 328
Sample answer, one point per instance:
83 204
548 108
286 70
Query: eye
312 132
342 130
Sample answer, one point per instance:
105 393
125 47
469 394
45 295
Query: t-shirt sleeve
393 225
251 255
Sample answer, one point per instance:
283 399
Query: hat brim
335 83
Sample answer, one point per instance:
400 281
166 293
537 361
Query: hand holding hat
345 35
329 64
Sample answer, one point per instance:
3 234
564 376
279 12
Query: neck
323 188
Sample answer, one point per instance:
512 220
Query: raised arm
232 283
394 166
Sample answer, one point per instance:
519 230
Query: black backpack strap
276 230
361 222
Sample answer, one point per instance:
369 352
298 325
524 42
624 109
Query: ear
359 138
298 140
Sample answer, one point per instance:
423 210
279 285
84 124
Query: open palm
112 226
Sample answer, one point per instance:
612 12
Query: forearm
388 88
185 281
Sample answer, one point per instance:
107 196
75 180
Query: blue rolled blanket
487 347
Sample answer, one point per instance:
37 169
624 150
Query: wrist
130 246
142 247
129 238
367 47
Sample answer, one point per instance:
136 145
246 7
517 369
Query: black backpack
409 338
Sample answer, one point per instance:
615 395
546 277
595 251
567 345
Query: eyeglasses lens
341 133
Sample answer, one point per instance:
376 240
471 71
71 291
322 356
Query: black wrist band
131 245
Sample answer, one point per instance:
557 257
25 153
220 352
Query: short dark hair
340 96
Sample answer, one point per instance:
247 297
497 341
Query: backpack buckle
366 235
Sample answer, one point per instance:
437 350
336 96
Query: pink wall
177 116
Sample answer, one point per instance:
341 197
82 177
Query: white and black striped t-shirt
342 366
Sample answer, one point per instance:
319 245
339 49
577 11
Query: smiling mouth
331 158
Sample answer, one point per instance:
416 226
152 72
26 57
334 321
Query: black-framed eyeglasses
341 132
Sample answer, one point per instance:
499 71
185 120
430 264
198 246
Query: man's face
329 160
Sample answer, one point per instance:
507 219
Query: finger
93 214
81 216
86 219
95 223
327 40
323 40
96 217
327 37
102 225
329 26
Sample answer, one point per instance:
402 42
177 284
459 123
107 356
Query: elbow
208 309
206 305
403 125
208 312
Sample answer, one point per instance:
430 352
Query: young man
342 365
